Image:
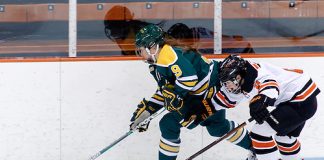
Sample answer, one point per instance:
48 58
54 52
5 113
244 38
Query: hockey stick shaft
219 139
147 120
111 145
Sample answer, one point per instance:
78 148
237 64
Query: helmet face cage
228 76
138 50
150 57
230 68
148 37
234 82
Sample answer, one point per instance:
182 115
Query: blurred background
40 28
76 93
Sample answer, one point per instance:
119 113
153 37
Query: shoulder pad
167 56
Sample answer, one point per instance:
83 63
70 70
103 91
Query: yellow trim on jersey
201 89
191 119
237 135
167 56
206 60
158 97
169 148
189 83
210 92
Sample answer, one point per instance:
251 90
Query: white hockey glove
139 116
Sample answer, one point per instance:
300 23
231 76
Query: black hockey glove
203 108
258 107
172 102
139 116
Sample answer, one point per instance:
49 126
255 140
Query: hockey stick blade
93 157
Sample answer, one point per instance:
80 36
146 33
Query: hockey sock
168 149
240 137
264 147
289 147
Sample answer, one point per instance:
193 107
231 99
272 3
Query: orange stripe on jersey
259 145
307 93
257 85
255 66
221 97
295 70
289 149
268 84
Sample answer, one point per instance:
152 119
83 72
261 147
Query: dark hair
180 35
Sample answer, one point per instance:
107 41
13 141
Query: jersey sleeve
224 99
156 102
160 80
186 77
266 82
261 80
268 87
177 69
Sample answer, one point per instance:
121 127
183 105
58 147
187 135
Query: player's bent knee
219 128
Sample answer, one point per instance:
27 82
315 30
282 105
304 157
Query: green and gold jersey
189 72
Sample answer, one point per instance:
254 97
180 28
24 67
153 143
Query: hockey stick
219 139
146 121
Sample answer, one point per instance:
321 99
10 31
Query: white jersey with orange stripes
275 82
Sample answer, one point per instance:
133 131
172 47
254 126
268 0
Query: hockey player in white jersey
291 92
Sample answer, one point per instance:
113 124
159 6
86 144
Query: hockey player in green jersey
187 82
